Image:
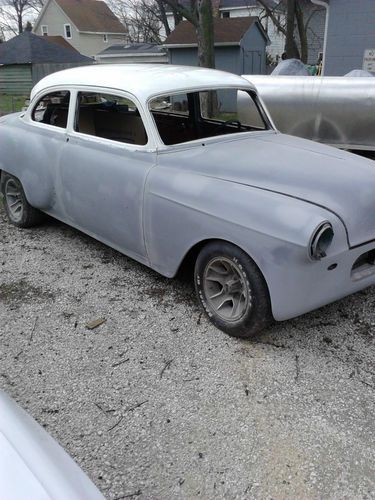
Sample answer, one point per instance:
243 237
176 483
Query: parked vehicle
33 465
154 161
334 110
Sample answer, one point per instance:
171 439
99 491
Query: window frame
44 32
151 139
258 101
70 31
28 116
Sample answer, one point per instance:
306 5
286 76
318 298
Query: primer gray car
153 161
33 465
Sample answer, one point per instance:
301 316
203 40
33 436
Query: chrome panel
339 111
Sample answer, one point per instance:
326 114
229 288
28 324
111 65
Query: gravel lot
157 403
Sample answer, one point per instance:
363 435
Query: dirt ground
157 403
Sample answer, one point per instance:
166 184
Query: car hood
341 182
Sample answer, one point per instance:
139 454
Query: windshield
190 116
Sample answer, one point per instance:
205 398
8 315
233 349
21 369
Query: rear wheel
232 290
19 211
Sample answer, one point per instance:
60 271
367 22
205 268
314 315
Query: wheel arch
186 265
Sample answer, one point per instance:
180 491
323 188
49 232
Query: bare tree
297 25
143 19
140 17
199 14
12 14
15 13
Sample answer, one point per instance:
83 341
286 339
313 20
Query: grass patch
11 104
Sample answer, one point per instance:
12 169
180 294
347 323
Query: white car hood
338 181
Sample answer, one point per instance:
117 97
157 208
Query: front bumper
298 289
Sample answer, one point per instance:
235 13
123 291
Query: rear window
52 109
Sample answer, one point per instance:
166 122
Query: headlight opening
320 241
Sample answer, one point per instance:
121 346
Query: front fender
182 209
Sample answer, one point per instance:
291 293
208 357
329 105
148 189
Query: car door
103 169
36 151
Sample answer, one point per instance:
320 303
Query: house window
45 30
105 38
225 14
67 31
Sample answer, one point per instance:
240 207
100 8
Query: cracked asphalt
157 403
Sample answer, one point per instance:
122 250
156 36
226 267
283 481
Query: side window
110 117
174 104
52 109
249 111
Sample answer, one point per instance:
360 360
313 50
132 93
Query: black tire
247 287
26 216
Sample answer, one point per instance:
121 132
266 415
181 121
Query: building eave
129 54
191 45
124 33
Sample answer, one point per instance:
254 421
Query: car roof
142 80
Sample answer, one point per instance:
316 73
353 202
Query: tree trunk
290 44
163 17
205 34
200 16
302 32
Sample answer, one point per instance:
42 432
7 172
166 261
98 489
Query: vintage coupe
153 161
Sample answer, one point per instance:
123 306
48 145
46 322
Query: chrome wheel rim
14 200
226 289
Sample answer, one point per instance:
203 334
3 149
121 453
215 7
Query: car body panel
105 201
33 465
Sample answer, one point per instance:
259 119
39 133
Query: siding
15 79
276 47
87 44
316 16
39 71
226 58
55 18
351 30
253 60
248 58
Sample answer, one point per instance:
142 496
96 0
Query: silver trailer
339 111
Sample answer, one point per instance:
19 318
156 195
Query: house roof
230 4
226 31
60 40
133 48
28 48
91 16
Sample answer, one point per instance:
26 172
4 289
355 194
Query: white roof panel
142 80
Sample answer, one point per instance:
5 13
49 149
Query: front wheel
19 211
232 290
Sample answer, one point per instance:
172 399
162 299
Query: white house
89 25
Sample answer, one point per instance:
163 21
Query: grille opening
364 265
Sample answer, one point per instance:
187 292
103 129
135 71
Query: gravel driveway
157 403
